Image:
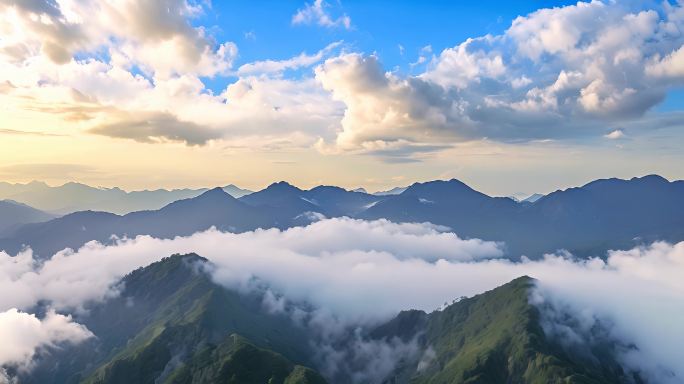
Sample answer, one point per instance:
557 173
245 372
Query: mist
360 273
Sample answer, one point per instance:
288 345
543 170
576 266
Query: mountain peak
214 192
651 179
283 186
440 189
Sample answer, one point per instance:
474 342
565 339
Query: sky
509 97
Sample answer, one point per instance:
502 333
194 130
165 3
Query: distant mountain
291 201
236 191
393 191
452 203
73 197
14 214
532 198
172 324
361 190
184 217
588 220
495 337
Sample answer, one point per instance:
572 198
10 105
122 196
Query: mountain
451 203
184 217
236 191
172 324
587 220
281 205
14 214
290 201
393 191
72 197
494 337
532 198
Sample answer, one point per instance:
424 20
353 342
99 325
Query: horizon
370 191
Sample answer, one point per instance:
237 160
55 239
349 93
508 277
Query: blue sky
264 29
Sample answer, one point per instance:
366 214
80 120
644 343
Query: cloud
557 73
278 66
316 246
384 112
614 135
669 67
387 268
156 127
143 33
24 335
26 133
315 13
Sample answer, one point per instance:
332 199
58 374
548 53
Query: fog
360 273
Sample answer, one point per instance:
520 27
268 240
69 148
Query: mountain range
171 323
588 220
14 214
73 197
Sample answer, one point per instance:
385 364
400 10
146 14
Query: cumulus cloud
555 73
385 112
316 13
614 135
387 268
143 33
24 335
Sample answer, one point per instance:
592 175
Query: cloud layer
24 335
386 268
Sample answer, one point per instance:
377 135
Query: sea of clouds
364 272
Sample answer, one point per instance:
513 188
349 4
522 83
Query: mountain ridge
587 221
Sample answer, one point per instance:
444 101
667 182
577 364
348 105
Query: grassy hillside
172 324
237 361
494 337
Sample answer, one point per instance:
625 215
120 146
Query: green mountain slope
236 360
172 323
494 337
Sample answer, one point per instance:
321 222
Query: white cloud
70 279
384 112
315 13
614 135
555 73
669 67
278 66
388 267
24 335
143 33
458 67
